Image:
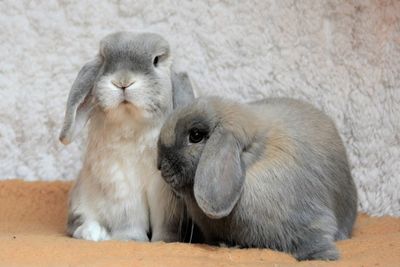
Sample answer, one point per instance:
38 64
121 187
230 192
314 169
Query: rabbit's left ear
220 175
182 90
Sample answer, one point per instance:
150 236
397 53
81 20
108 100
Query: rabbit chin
128 111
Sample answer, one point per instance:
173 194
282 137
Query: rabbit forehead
182 120
136 43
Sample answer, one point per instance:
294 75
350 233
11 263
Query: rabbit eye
155 61
196 136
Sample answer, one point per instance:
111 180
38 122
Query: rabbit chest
120 165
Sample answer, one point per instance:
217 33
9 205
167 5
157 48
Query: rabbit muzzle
133 92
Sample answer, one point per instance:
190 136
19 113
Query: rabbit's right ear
80 101
182 90
220 174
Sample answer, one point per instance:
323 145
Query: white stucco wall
341 55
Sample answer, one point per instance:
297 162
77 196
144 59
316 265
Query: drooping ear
182 90
80 101
220 175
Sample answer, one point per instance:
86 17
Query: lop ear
220 174
80 101
182 90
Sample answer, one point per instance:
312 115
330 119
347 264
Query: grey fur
74 221
120 52
217 189
298 195
182 89
78 110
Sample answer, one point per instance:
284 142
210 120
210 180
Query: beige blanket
32 233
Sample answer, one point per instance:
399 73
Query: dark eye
196 136
155 61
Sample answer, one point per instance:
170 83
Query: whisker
191 233
181 225
187 223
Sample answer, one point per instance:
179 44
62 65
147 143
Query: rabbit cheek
149 96
173 173
108 96
170 175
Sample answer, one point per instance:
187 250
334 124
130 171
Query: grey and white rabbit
271 173
125 93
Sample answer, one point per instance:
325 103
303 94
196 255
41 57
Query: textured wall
343 56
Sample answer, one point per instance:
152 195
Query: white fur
91 230
119 179
119 191
110 96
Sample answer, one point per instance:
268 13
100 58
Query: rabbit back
298 193
307 145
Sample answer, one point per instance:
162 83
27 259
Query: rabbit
125 93
268 174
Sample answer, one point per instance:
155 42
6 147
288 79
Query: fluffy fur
126 93
272 173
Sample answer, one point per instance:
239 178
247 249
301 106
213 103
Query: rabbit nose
122 85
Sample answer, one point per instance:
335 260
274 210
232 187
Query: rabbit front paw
91 230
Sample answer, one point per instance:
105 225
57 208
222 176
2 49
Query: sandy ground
32 233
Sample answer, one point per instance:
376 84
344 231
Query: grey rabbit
269 174
125 93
